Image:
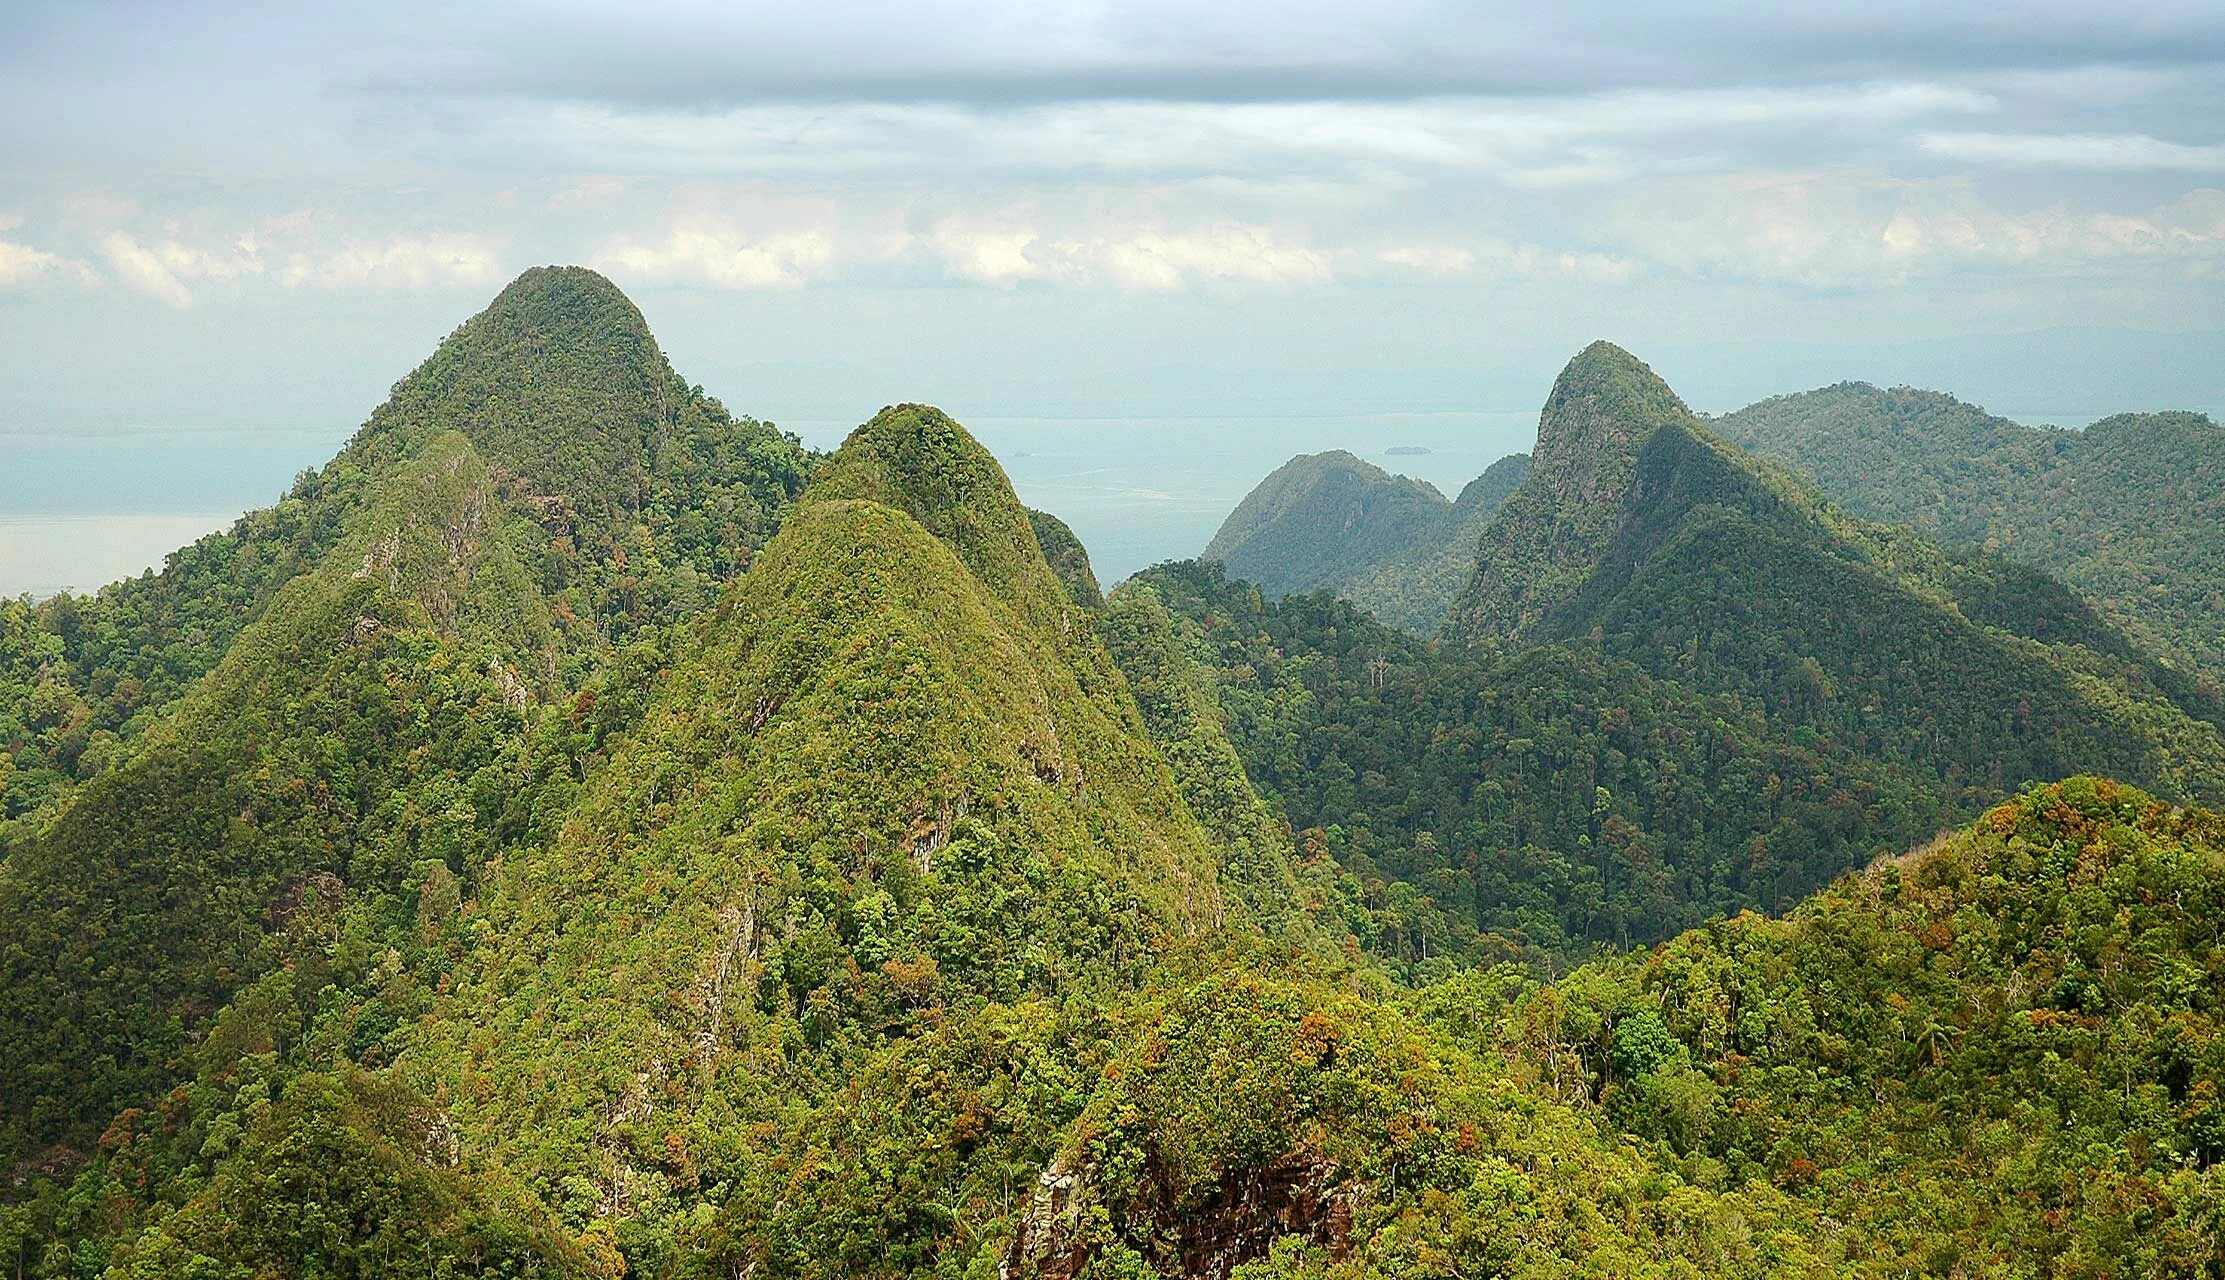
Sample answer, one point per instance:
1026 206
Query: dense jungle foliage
648 495
890 902
390 688
2128 510
1712 691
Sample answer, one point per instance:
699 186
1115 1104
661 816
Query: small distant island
1405 451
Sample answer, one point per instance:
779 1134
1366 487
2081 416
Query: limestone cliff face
1551 534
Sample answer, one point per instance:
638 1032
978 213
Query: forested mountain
1678 685
2130 510
875 835
617 843
647 493
540 488
1388 543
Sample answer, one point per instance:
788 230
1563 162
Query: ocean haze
78 509
81 507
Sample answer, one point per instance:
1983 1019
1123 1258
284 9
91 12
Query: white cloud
161 270
1140 258
714 254
2189 228
1499 258
411 262
1840 231
22 265
1158 260
1539 140
998 255
301 249
2124 152
1429 259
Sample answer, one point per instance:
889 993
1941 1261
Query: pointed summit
912 781
917 459
1605 369
1603 408
579 290
541 487
558 383
1550 534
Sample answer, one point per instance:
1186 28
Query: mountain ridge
2125 509
612 854
1679 677
875 836
421 583
1603 407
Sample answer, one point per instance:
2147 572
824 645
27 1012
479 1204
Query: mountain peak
1604 395
560 284
1604 408
558 383
1331 520
563 310
919 460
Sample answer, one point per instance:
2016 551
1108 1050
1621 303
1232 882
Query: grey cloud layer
2054 164
1005 54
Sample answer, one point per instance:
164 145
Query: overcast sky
267 213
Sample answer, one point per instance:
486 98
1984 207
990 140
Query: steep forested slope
896 778
911 910
463 580
1997 1055
1390 544
1685 556
648 494
1679 684
2128 510
1414 588
1318 515
1068 559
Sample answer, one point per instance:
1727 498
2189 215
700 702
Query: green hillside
609 855
1551 532
373 712
1680 684
1392 545
410 657
1318 515
648 495
1068 559
2127 511
1682 554
835 830
1414 588
1996 1056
